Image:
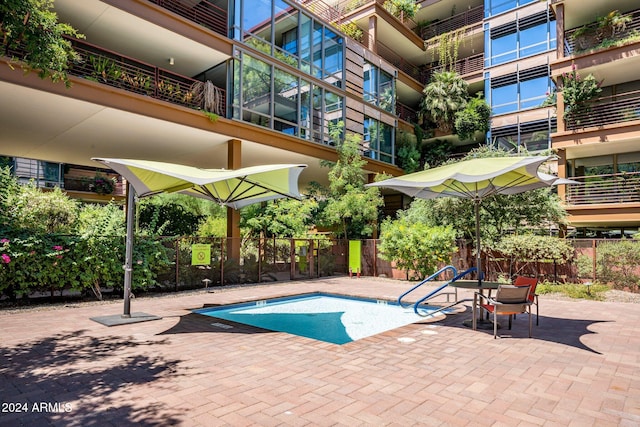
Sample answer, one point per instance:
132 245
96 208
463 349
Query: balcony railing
608 110
400 63
591 37
405 113
471 64
471 16
203 12
605 189
126 73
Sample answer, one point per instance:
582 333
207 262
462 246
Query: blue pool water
332 318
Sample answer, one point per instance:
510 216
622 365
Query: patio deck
582 368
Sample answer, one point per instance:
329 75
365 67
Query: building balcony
465 67
608 110
203 12
616 188
405 113
110 68
469 17
592 37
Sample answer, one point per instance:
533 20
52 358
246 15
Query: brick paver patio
57 367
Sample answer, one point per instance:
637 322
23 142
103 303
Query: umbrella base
119 319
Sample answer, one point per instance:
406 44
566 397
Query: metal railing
203 12
591 36
405 113
607 110
472 16
400 63
113 69
607 189
468 65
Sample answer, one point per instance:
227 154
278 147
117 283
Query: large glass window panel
286 31
333 57
285 88
504 48
494 7
370 138
256 85
236 89
504 99
256 22
317 114
629 162
533 92
332 115
317 50
305 43
535 141
306 109
533 40
386 142
387 92
370 83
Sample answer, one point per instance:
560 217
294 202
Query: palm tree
445 95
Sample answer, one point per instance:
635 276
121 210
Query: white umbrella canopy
234 188
476 179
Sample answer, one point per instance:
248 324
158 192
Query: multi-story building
284 74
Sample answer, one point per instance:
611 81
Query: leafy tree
282 218
32 26
415 246
617 263
444 95
349 207
402 8
101 220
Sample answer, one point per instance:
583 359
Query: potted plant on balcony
579 94
102 184
402 8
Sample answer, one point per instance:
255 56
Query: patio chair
532 282
508 301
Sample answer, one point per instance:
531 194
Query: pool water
326 317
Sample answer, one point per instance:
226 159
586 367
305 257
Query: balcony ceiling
47 126
122 32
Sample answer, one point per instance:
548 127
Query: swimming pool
326 317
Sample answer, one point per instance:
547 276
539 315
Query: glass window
534 39
533 92
333 58
305 43
493 7
370 83
256 20
306 109
504 99
387 92
629 162
285 88
504 49
256 85
377 140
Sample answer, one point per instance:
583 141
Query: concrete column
560 30
372 36
561 125
234 161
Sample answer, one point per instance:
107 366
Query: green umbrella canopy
234 188
475 179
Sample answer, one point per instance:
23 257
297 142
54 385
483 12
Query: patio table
481 287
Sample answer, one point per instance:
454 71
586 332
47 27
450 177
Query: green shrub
416 247
617 263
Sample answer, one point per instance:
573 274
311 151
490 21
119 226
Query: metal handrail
622 107
605 189
464 66
203 12
113 69
428 279
460 20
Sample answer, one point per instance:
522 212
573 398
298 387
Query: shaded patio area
582 367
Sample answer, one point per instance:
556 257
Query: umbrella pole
478 258
128 263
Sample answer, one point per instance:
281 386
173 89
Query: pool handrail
435 292
428 279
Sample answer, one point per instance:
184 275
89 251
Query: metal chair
508 301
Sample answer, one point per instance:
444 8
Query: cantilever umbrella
235 188
476 179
